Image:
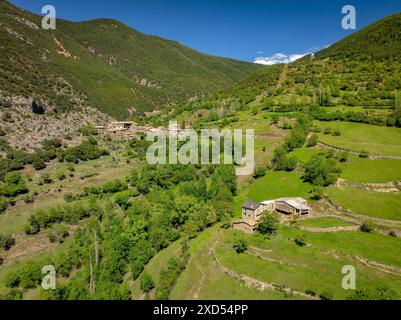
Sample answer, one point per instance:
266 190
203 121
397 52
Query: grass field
203 280
378 205
375 171
277 184
304 154
324 222
318 265
363 137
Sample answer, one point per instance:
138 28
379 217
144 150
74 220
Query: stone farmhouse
252 212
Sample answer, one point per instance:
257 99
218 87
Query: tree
147 283
269 223
240 245
320 171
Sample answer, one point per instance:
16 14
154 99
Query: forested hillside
103 64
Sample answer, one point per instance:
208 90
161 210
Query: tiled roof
251 205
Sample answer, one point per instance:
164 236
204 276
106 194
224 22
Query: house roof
251 205
298 199
297 203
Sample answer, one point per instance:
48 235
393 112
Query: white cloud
280 58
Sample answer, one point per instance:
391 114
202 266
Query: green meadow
363 137
324 222
277 184
378 205
367 170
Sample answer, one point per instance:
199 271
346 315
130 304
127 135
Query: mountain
362 71
104 64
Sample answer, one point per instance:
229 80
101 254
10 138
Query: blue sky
240 29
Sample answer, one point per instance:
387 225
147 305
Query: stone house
252 211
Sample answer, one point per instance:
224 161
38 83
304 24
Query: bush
364 154
6 242
146 283
14 185
260 172
310 292
367 227
343 157
326 295
58 233
336 133
379 293
240 245
38 164
3 205
313 140
300 241
12 294
327 131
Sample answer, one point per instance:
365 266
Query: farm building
292 206
252 211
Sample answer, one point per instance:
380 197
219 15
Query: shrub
343 157
310 292
326 295
260 172
300 241
6 242
14 185
313 140
378 293
367 227
58 233
146 283
327 131
3 205
38 164
364 154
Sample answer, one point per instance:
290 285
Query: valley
84 200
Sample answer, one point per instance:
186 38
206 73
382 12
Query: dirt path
372 156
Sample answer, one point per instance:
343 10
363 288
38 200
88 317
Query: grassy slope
372 171
277 185
326 222
380 205
363 137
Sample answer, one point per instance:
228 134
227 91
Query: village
128 129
